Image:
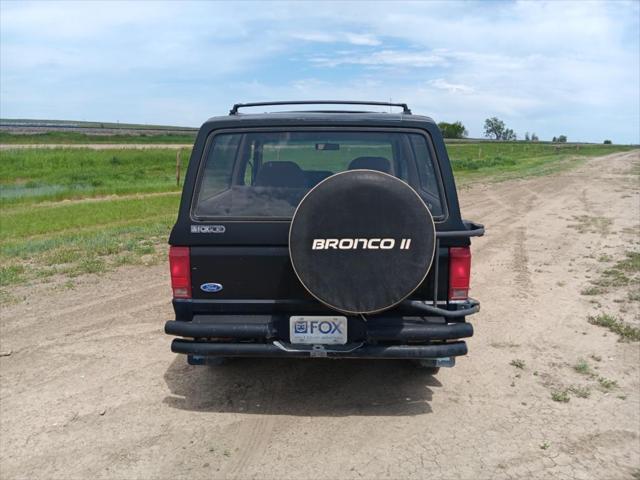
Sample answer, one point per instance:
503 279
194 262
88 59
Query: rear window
253 175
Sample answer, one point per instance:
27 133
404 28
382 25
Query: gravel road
89 388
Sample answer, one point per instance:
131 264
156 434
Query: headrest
280 174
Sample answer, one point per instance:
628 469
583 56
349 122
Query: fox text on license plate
316 330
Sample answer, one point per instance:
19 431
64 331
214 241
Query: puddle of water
29 191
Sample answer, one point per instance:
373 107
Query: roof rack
234 110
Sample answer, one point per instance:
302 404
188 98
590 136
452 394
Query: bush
453 130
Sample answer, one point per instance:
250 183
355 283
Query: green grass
590 224
504 160
623 273
592 291
582 367
11 274
21 222
72 212
580 392
631 263
607 384
34 175
615 325
80 138
95 250
560 396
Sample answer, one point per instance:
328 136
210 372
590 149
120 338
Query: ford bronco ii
321 233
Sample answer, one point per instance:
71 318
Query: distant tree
562 139
534 137
607 142
509 135
494 128
453 130
554 139
526 137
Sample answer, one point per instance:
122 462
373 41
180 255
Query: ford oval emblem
211 287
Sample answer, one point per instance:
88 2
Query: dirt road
91 390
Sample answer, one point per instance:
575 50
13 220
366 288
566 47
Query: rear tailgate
265 273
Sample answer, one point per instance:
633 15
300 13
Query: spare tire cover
361 241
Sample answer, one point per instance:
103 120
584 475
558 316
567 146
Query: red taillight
180 266
459 272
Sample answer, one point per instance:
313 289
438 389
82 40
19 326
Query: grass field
83 138
28 176
67 212
503 160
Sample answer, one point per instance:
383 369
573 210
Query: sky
554 68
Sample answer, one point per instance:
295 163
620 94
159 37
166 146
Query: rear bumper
384 336
263 328
280 349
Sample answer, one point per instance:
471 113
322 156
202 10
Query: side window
216 176
426 168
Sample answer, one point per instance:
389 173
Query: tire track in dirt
117 303
254 433
520 262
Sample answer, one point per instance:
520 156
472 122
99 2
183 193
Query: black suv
322 233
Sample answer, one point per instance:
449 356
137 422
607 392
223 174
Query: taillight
180 266
459 272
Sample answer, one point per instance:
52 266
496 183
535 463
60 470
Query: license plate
329 330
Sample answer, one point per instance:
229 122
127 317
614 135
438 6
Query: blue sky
552 68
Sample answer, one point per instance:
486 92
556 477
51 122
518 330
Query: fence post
178 164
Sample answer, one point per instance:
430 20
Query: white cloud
321 37
442 84
337 37
362 39
563 67
382 58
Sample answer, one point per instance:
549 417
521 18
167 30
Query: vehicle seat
280 174
380 164
314 177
